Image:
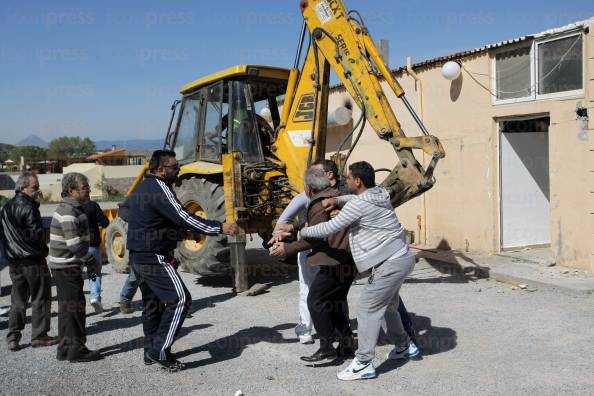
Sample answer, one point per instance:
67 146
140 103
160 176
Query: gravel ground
477 337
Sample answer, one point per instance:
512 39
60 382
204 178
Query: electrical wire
300 45
347 136
353 145
277 129
360 20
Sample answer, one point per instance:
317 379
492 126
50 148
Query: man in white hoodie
378 244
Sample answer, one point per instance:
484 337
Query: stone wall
119 184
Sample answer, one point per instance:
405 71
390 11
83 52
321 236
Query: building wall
118 177
462 209
127 171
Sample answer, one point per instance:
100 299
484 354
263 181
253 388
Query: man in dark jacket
155 221
327 297
26 250
96 219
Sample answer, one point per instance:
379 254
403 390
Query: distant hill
134 144
33 140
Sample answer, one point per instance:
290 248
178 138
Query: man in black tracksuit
156 220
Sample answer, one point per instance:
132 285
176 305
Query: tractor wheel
115 245
209 255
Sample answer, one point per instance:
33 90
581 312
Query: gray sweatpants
379 302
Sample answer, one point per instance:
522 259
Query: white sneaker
357 370
305 339
404 353
96 304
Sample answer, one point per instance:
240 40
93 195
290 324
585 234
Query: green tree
71 147
5 151
29 152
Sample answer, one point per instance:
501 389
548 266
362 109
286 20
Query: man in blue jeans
96 218
127 294
131 284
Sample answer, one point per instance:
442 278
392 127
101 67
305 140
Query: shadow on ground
448 266
232 346
138 342
431 340
261 269
108 323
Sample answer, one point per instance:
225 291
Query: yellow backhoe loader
237 166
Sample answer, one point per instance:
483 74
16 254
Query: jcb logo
305 109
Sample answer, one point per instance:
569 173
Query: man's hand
334 213
329 204
281 230
230 228
278 250
277 238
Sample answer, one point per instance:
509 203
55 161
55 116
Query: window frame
534 85
562 94
231 131
202 126
182 106
497 101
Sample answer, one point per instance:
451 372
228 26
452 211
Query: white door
525 207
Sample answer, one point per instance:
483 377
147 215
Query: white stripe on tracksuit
180 305
183 214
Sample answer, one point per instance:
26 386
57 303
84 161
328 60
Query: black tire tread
213 258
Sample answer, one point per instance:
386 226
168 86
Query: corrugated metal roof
458 55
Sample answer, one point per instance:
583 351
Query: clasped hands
283 230
280 232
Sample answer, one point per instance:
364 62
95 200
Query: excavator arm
339 40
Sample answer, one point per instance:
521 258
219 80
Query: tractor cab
234 110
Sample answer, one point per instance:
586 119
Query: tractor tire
210 255
115 245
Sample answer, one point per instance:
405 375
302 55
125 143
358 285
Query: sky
111 69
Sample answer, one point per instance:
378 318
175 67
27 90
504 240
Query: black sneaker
61 355
170 364
84 355
179 364
321 355
149 362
